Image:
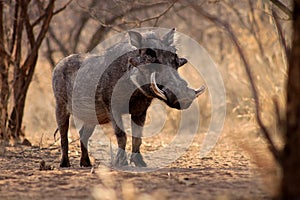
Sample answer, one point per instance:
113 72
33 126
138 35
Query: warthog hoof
85 162
64 163
138 160
121 158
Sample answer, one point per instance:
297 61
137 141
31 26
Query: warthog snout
175 91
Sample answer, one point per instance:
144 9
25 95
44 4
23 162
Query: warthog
148 72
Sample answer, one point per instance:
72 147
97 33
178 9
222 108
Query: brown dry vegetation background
255 30
241 154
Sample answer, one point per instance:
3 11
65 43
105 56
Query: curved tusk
135 82
133 77
199 91
155 89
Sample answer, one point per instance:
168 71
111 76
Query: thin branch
286 50
62 48
57 146
105 27
130 10
19 30
111 10
83 21
157 17
4 86
161 14
45 25
236 11
62 8
49 53
97 37
38 20
15 24
255 31
185 19
218 22
28 26
282 7
44 28
281 121
84 18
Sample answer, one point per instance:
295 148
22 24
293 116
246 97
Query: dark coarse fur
76 78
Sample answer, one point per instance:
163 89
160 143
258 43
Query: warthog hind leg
85 133
62 118
121 157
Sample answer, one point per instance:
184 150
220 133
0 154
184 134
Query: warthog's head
155 70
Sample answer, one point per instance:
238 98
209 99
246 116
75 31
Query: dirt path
226 173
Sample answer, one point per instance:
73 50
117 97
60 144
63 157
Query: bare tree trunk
3 79
291 154
23 73
23 62
20 89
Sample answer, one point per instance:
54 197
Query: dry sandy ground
226 173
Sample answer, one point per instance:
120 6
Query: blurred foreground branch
224 25
286 50
282 7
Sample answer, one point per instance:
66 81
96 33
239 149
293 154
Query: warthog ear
135 39
182 61
168 39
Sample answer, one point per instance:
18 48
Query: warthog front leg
137 123
85 133
121 157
